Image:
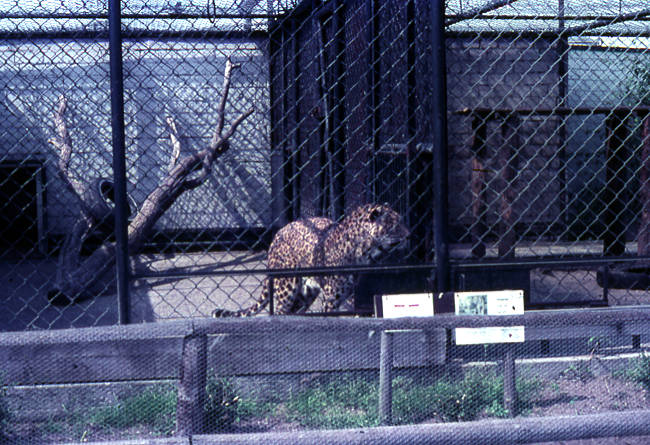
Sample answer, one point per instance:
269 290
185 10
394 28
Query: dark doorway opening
21 207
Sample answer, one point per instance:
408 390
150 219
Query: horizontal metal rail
543 34
298 272
531 263
544 17
163 16
523 263
83 34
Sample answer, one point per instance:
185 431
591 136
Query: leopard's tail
248 312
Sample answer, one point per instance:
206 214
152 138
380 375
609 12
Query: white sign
407 305
506 302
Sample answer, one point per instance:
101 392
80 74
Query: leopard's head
379 232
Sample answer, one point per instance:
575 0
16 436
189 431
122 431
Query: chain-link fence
548 140
286 379
281 131
177 160
57 168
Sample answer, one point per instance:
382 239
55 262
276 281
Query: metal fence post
440 161
271 296
386 378
119 163
509 382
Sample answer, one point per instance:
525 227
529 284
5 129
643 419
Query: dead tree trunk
82 277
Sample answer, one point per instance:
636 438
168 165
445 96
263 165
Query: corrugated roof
581 17
26 16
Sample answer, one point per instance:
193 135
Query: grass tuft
639 370
155 407
353 402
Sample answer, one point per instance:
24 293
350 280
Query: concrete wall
181 79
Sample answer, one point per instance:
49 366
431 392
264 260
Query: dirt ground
572 395
568 394
25 288
216 282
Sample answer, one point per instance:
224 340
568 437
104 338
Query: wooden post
614 236
386 378
509 382
506 155
644 184
190 417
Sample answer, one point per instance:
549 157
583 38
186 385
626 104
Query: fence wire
170 379
547 143
281 158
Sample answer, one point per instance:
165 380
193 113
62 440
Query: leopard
369 234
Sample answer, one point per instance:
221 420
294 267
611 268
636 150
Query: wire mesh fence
547 137
308 140
195 379
301 157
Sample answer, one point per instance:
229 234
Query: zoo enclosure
545 180
344 120
542 186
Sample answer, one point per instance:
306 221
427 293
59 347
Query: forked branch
175 141
219 141
63 144
183 173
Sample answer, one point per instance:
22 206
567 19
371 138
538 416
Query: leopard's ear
376 213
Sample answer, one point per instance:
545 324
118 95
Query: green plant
578 371
639 370
496 409
527 391
354 402
221 405
453 399
345 403
155 407
466 398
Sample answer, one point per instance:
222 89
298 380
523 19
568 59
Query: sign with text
407 305
505 302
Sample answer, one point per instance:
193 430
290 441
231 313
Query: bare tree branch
176 143
225 90
188 172
81 275
63 144
218 142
